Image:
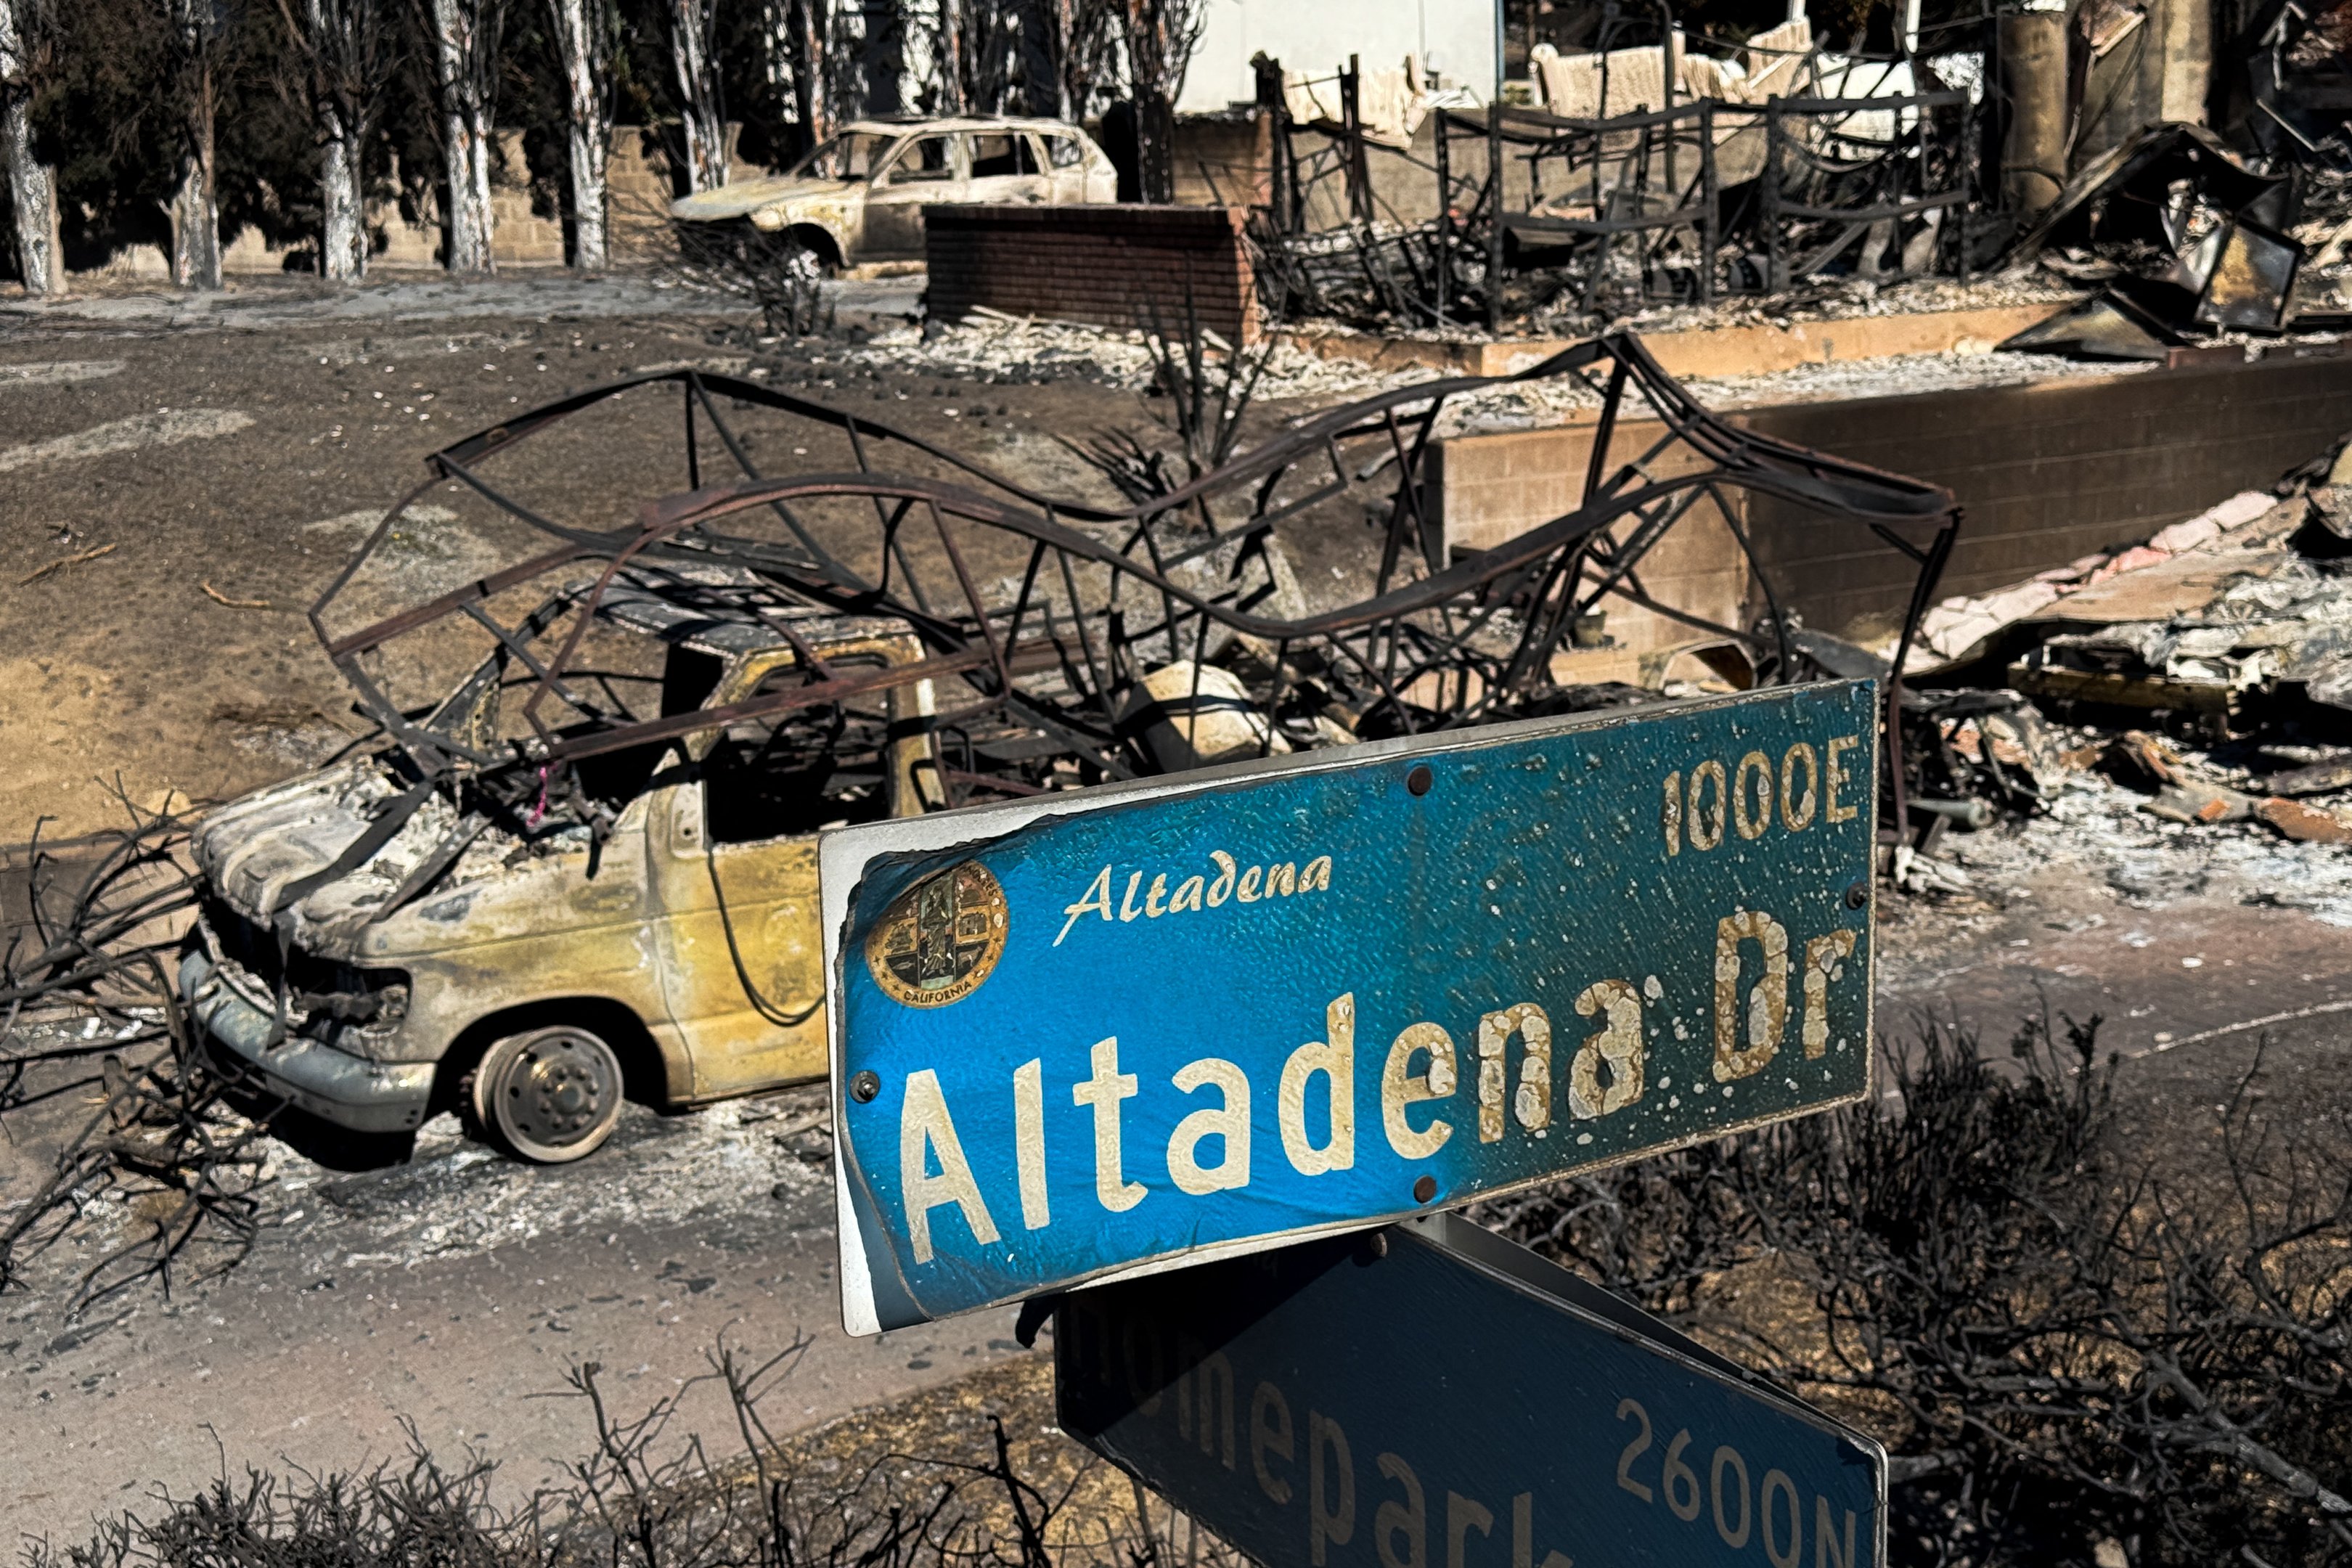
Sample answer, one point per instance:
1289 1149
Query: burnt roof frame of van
1558 570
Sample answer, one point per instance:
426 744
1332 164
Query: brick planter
1110 266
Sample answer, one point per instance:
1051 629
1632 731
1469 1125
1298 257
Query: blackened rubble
2168 714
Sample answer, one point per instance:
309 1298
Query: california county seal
939 939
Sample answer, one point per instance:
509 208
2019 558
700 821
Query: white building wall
1453 37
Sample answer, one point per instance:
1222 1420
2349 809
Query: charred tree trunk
701 113
345 44
32 185
1040 76
1155 146
1160 36
948 63
798 36
1084 32
977 55
33 197
883 60
195 203
815 80
584 35
343 235
466 46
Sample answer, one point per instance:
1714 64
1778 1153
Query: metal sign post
1163 1022
1431 1395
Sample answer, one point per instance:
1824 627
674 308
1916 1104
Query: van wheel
549 1096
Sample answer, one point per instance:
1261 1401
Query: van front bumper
335 1086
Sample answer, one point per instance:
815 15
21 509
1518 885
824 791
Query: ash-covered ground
180 478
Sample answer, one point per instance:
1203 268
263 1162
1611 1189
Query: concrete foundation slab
1742 349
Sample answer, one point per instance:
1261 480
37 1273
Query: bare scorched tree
31 184
464 36
1159 35
1080 39
584 32
194 26
798 59
882 56
701 110
977 54
347 50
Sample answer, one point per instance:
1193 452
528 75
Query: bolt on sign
1129 1026
1433 1396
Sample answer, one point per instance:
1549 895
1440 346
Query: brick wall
1111 266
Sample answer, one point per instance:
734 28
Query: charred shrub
643 1494
2071 1350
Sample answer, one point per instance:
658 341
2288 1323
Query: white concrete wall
1454 38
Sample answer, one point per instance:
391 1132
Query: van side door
736 861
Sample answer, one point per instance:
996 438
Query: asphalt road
457 1292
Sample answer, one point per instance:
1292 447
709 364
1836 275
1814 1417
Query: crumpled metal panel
2251 277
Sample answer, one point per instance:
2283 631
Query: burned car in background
587 873
859 195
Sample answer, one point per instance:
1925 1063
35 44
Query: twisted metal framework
1685 204
1042 671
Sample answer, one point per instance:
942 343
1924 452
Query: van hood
267 855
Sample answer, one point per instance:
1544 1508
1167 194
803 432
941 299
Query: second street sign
1188 1017
1433 1396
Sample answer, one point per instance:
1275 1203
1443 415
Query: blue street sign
1433 1396
1189 1016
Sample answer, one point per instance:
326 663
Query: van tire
549 1096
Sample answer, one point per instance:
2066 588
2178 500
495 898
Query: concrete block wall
1495 487
1224 159
638 194
2044 473
1111 266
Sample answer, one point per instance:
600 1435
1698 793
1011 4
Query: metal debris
1687 204
2184 236
2207 674
2307 824
1035 668
1986 749
2324 777
2197 801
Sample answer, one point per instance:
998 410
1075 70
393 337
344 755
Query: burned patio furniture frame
1645 194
